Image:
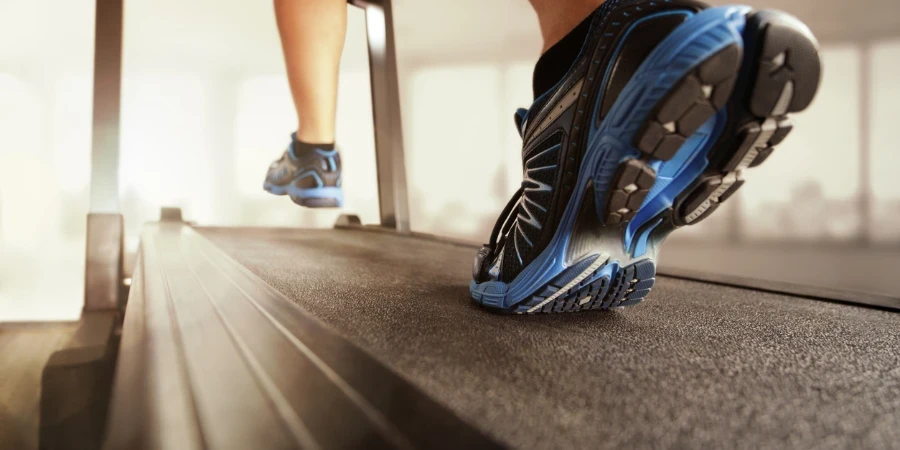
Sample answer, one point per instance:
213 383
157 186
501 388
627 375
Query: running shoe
311 179
654 126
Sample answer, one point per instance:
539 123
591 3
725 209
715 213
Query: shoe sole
756 68
326 197
774 85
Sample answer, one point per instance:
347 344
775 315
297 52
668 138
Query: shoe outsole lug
630 186
706 197
722 92
677 103
761 156
720 67
689 104
695 117
788 59
669 146
784 127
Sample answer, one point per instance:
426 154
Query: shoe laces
505 221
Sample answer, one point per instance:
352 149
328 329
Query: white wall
206 108
44 155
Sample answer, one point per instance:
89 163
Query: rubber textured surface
691 102
212 357
695 365
780 74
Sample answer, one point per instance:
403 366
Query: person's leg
557 18
647 115
312 37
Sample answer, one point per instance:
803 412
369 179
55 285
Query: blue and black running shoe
311 178
667 106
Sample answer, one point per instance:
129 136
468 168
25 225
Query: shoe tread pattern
784 71
629 285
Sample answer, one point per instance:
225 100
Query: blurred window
884 113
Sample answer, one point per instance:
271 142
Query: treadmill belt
694 365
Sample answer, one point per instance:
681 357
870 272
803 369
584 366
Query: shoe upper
308 170
555 128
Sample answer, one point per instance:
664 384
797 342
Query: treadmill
365 336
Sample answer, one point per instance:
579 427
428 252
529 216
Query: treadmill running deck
694 365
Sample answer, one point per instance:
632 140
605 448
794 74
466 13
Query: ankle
556 21
314 135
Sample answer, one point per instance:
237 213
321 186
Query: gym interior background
204 85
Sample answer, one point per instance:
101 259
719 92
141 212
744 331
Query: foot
312 177
653 127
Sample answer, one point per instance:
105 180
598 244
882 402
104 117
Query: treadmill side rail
213 357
